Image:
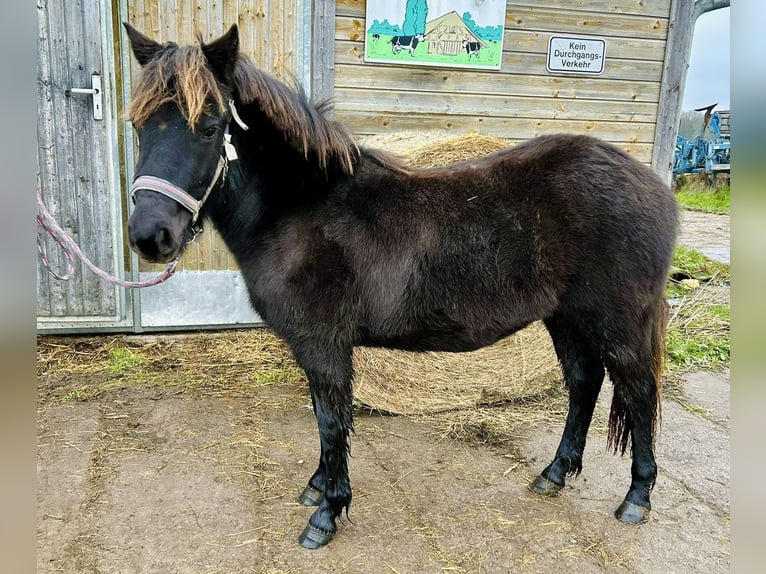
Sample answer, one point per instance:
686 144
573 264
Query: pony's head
183 107
181 110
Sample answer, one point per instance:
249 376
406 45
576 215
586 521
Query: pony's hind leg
634 358
632 418
583 375
329 373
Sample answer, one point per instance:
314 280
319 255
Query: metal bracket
95 91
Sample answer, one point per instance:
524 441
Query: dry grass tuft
210 364
500 424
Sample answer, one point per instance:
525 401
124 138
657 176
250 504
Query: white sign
575 55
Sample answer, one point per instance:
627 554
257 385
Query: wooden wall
523 99
268 32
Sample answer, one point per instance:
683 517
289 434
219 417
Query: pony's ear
144 48
222 54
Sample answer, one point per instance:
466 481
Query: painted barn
86 149
446 34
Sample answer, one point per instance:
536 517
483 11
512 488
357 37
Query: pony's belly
451 340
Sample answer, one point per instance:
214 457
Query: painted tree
468 19
415 15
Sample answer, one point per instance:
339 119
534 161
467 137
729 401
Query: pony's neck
268 180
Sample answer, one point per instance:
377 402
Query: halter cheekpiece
169 189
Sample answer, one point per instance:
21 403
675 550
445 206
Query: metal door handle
95 91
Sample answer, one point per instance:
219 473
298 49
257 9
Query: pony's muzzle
158 226
155 244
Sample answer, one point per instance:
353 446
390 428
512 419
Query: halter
168 189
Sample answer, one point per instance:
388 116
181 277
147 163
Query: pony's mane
303 124
181 75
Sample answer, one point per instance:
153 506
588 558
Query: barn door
77 163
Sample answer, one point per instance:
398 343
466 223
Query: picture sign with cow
452 33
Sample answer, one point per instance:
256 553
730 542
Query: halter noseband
169 189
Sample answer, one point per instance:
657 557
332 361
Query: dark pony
343 246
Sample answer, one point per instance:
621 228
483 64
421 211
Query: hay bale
459 148
521 366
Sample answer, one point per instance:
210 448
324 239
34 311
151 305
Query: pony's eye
210 132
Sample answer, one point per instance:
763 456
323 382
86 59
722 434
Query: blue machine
701 155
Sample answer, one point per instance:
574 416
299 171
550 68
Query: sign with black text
576 55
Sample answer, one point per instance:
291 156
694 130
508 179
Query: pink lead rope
70 248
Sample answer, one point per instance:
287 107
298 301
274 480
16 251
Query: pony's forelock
177 74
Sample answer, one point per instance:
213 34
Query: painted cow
399 43
472 48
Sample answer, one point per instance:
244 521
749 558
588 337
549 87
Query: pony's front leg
329 375
312 494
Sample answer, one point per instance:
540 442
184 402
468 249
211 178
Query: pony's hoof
630 513
310 496
313 537
542 485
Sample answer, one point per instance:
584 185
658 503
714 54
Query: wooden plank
364 123
261 33
616 47
290 25
245 18
641 151
672 90
168 23
185 19
521 63
74 110
414 79
456 103
586 23
95 191
655 8
46 161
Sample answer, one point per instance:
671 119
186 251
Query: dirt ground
153 480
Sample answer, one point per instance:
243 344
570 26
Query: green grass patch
691 264
698 330
698 347
276 374
122 359
708 200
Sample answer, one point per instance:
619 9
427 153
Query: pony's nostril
164 240
152 243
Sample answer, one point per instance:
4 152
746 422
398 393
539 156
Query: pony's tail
634 395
